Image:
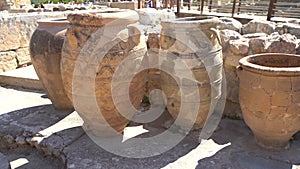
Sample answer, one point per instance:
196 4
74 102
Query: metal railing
268 8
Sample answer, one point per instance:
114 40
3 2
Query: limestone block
149 16
230 23
9 38
23 56
20 3
257 42
124 5
226 35
17 10
285 43
240 46
298 48
167 14
8 61
259 26
291 28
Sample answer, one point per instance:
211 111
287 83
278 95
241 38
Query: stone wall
7 4
254 38
15 34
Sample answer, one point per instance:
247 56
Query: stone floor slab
4 162
23 77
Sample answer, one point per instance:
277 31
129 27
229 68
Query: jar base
272 144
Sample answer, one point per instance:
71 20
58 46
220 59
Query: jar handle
239 70
217 34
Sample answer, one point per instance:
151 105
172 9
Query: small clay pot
269 96
45 51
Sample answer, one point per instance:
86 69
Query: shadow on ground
60 135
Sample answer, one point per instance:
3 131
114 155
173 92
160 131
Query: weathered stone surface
20 3
8 61
23 56
240 46
149 16
230 62
124 5
167 14
298 49
291 28
16 31
259 26
230 23
4 162
227 35
285 43
7 4
9 38
257 42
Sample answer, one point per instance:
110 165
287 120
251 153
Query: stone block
226 35
259 26
240 46
124 5
230 23
8 61
23 56
285 43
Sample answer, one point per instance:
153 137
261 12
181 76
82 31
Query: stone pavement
28 118
23 77
4 162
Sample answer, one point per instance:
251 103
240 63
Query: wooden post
178 7
154 4
139 4
239 8
271 9
202 7
209 6
233 8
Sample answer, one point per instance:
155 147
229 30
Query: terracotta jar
269 96
96 45
195 43
45 51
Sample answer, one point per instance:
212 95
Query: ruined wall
15 34
7 4
254 38
19 3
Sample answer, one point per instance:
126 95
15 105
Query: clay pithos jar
95 48
269 96
195 43
45 51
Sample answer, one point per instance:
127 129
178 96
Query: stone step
25 77
4 162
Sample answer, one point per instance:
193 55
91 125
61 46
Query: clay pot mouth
53 22
204 22
101 18
275 63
